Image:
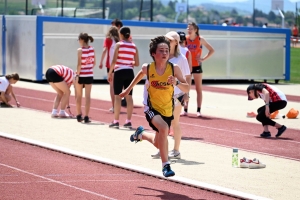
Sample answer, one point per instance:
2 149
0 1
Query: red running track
31 172
218 131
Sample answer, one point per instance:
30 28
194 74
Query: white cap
172 35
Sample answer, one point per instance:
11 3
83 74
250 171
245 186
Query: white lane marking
70 181
188 124
54 181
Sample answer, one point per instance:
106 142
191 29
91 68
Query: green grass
295 65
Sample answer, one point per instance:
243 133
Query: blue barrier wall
213 33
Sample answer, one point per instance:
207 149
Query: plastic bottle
235 157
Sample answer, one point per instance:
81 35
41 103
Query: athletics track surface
213 132
206 129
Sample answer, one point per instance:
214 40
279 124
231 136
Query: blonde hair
113 32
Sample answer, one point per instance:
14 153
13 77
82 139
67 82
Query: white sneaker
244 163
54 115
111 110
256 164
198 114
157 155
171 154
174 154
63 115
184 114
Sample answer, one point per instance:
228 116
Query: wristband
177 82
267 104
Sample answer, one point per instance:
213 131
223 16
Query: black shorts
180 99
52 76
197 70
151 113
122 79
85 80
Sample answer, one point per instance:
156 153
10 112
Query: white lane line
54 181
70 181
177 179
183 123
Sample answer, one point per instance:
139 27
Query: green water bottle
235 158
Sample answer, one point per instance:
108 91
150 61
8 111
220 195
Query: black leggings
261 115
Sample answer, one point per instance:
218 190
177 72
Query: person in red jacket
295 33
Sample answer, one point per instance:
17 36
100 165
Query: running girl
176 58
162 76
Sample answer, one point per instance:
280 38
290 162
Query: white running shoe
244 163
54 115
171 155
184 114
63 115
157 155
174 154
256 164
111 110
198 114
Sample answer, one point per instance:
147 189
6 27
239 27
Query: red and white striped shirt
126 53
274 93
87 61
65 72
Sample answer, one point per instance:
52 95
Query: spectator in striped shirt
274 100
112 37
125 58
60 78
84 74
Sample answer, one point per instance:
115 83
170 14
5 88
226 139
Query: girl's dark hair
85 37
125 31
195 27
154 43
113 32
117 23
14 76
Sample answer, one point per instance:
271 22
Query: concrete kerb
134 168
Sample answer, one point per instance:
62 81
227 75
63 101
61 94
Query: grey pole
26 7
253 22
5 7
121 9
296 21
151 10
187 11
62 8
103 9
